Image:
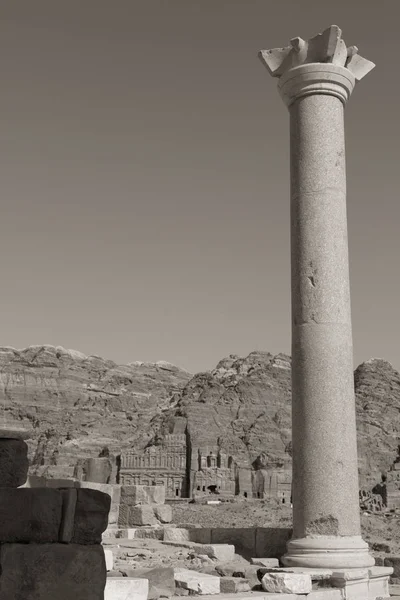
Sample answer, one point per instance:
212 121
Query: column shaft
325 472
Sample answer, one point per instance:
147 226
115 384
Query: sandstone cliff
244 406
377 386
77 405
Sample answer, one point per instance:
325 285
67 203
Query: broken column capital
323 64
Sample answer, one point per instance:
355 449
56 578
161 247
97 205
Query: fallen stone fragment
200 583
234 585
289 583
126 588
221 552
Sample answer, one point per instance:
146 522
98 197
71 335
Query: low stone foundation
257 542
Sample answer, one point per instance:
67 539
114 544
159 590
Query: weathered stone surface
378 582
221 552
287 583
271 541
113 490
353 583
126 588
176 534
98 469
200 583
30 515
234 585
163 513
142 494
34 481
200 535
151 533
91 516
69 498
48 571
141 515
13 462
15 433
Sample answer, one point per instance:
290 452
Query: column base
328 552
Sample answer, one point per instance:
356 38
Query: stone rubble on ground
199 583
289 583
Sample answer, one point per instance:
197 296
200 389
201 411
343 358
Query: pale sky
145 177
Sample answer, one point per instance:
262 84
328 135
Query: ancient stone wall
50 538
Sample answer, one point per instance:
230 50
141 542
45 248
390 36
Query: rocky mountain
77 405
377 386
244 406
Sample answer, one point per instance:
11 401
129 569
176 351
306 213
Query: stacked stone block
142 505
49 537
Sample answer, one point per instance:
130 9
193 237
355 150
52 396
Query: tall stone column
316 79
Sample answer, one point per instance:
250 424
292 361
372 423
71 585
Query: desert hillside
77 405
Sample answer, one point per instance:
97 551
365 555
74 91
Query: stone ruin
50 538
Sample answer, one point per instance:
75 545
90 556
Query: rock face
377 386
243 406
77 405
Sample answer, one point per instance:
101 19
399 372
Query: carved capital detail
327 48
